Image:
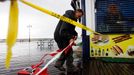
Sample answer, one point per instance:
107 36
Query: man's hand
73 39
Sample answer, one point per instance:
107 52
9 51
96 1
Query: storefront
115 20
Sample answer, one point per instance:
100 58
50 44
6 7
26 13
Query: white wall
90 14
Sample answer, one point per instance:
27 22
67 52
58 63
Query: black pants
62 43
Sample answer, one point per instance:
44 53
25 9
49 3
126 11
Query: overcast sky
43 25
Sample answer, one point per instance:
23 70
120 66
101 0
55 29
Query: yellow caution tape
63 18
12 31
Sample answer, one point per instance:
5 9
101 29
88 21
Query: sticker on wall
100 39
130 50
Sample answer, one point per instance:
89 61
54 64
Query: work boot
72 69
61 68
74 72
63 73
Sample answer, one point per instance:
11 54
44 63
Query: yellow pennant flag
12 30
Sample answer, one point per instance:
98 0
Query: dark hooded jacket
66 30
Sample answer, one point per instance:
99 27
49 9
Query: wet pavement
23 57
